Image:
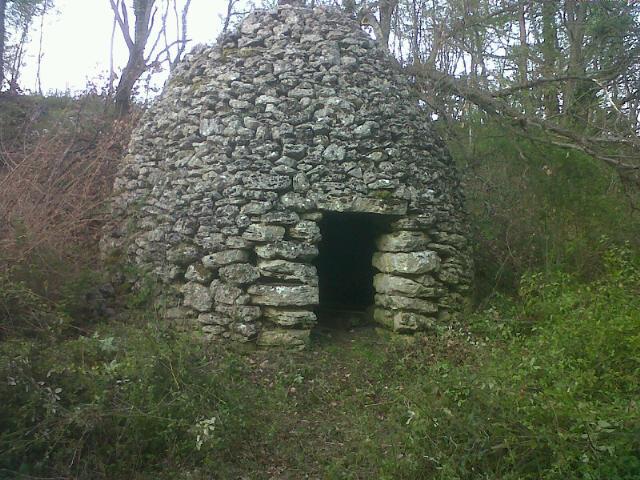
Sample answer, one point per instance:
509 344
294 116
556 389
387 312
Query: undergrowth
58 157
537 207
556 394
542 387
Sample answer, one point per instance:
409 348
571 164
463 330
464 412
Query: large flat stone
297 202
403 322
224 293
263 233
287 250
383 317
306 230
284 295
395 302
415 222
386 206
197 297
198 273
290 339
409 322
403 241
280 218
240 313
287 271
290 318
239 274
225 257
214 319
246 330
422 286
182 255
407 263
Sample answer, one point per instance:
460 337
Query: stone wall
296 113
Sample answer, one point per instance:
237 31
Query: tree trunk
523 54
130 74
523 57
3 9
550 55
137 63
476 42
386 9
575 13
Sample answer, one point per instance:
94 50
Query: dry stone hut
287 174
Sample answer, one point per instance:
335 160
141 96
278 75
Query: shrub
56 179
57 161
536 207
21 310
122 401
559 400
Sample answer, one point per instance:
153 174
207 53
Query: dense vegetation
542 387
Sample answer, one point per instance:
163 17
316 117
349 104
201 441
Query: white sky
77 38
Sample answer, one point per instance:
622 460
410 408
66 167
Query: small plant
22 311
204 431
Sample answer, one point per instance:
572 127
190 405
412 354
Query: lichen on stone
296 113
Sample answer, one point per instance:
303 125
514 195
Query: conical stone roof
295 114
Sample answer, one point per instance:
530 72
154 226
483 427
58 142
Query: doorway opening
345 273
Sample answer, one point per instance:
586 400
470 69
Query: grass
338 410
545 386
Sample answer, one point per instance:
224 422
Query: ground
340 409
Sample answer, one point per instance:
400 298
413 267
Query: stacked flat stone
296 113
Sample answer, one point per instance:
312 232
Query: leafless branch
562 137
123 21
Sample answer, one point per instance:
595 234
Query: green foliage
557 402
48 301
544 386
538 208
118 402
23 311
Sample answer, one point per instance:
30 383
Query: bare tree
16 20
226 21
112 71
181 26
560 72
379 17
40 51
143 43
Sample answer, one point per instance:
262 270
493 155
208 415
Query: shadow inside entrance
344 268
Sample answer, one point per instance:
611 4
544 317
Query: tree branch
123 21
562 137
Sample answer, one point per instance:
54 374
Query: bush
21 310
119 402
535 207
559 400
55 180
58 158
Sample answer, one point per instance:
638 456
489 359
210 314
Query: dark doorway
344 266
